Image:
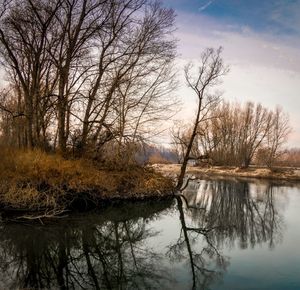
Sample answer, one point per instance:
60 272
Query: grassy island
34 181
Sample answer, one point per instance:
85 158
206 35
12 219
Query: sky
261 41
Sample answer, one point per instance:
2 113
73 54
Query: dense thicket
82 74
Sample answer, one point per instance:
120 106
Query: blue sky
274 16
261 41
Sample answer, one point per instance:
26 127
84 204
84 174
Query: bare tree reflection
218 213
206 264
93 255
111 250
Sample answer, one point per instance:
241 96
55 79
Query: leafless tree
202 81
23 46
237 133
134 78
100 70
276 136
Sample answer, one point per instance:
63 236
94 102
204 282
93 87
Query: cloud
286 15
280 17
265 67
242 45
202 8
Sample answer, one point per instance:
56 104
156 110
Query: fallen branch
47 215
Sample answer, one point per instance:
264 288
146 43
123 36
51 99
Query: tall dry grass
35 180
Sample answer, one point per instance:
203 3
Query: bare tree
134 74
206 77
256 122
276 136
23 46
238 133
89 71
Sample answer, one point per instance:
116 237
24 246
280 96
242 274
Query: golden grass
35 180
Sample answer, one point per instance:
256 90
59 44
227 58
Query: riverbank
33 181
284 174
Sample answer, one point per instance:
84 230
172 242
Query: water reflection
112 250
215 214
240 212
94 253
206 262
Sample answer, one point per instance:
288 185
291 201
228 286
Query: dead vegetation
36 181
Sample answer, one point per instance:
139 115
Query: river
221 234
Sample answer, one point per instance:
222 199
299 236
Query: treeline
237 135
85 75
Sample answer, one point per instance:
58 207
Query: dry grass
35 180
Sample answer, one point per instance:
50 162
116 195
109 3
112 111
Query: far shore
278 173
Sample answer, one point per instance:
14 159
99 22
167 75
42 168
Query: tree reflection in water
215 214
111 250
93 254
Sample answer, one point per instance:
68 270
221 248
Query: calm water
222 235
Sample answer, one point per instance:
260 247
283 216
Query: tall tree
23 47
93 70
201 81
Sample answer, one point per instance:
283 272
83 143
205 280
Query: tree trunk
189 147
61 107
